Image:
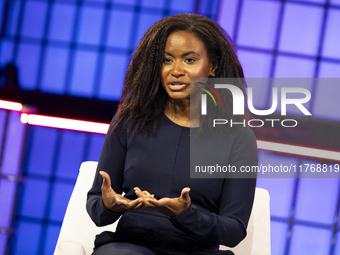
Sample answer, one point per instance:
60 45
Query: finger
185 192
158 203
142 195
106 180
152 196
148 202
140 203
135 204
185 195
147 193
138 206
139 193
152 202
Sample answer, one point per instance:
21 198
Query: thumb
106 181
185 194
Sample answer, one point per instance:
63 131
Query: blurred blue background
82 48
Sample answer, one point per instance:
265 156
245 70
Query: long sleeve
228 226
112 160
160 164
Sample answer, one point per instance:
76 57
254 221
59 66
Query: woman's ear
214 66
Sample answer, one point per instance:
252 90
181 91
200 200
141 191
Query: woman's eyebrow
184 54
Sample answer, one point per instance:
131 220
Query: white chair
78 231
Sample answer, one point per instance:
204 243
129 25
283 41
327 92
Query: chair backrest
257 241
78 231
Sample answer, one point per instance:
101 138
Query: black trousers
133 249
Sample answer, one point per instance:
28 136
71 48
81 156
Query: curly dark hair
144 99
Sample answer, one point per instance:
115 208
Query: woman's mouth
177 86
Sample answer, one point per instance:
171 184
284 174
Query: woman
146 153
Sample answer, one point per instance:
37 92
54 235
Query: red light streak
63 123
101 128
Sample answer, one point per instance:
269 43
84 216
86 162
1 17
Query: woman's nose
177 70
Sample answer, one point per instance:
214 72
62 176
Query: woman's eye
167 60
190 60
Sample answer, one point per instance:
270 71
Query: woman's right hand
116 202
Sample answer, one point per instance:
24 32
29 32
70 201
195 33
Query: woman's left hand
168 206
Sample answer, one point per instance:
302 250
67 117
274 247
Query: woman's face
185 57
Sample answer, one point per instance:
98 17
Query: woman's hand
168 206
116 202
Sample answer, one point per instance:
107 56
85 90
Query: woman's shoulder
231 134
118 127
246 132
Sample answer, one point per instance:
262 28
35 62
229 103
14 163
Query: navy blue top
220 207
